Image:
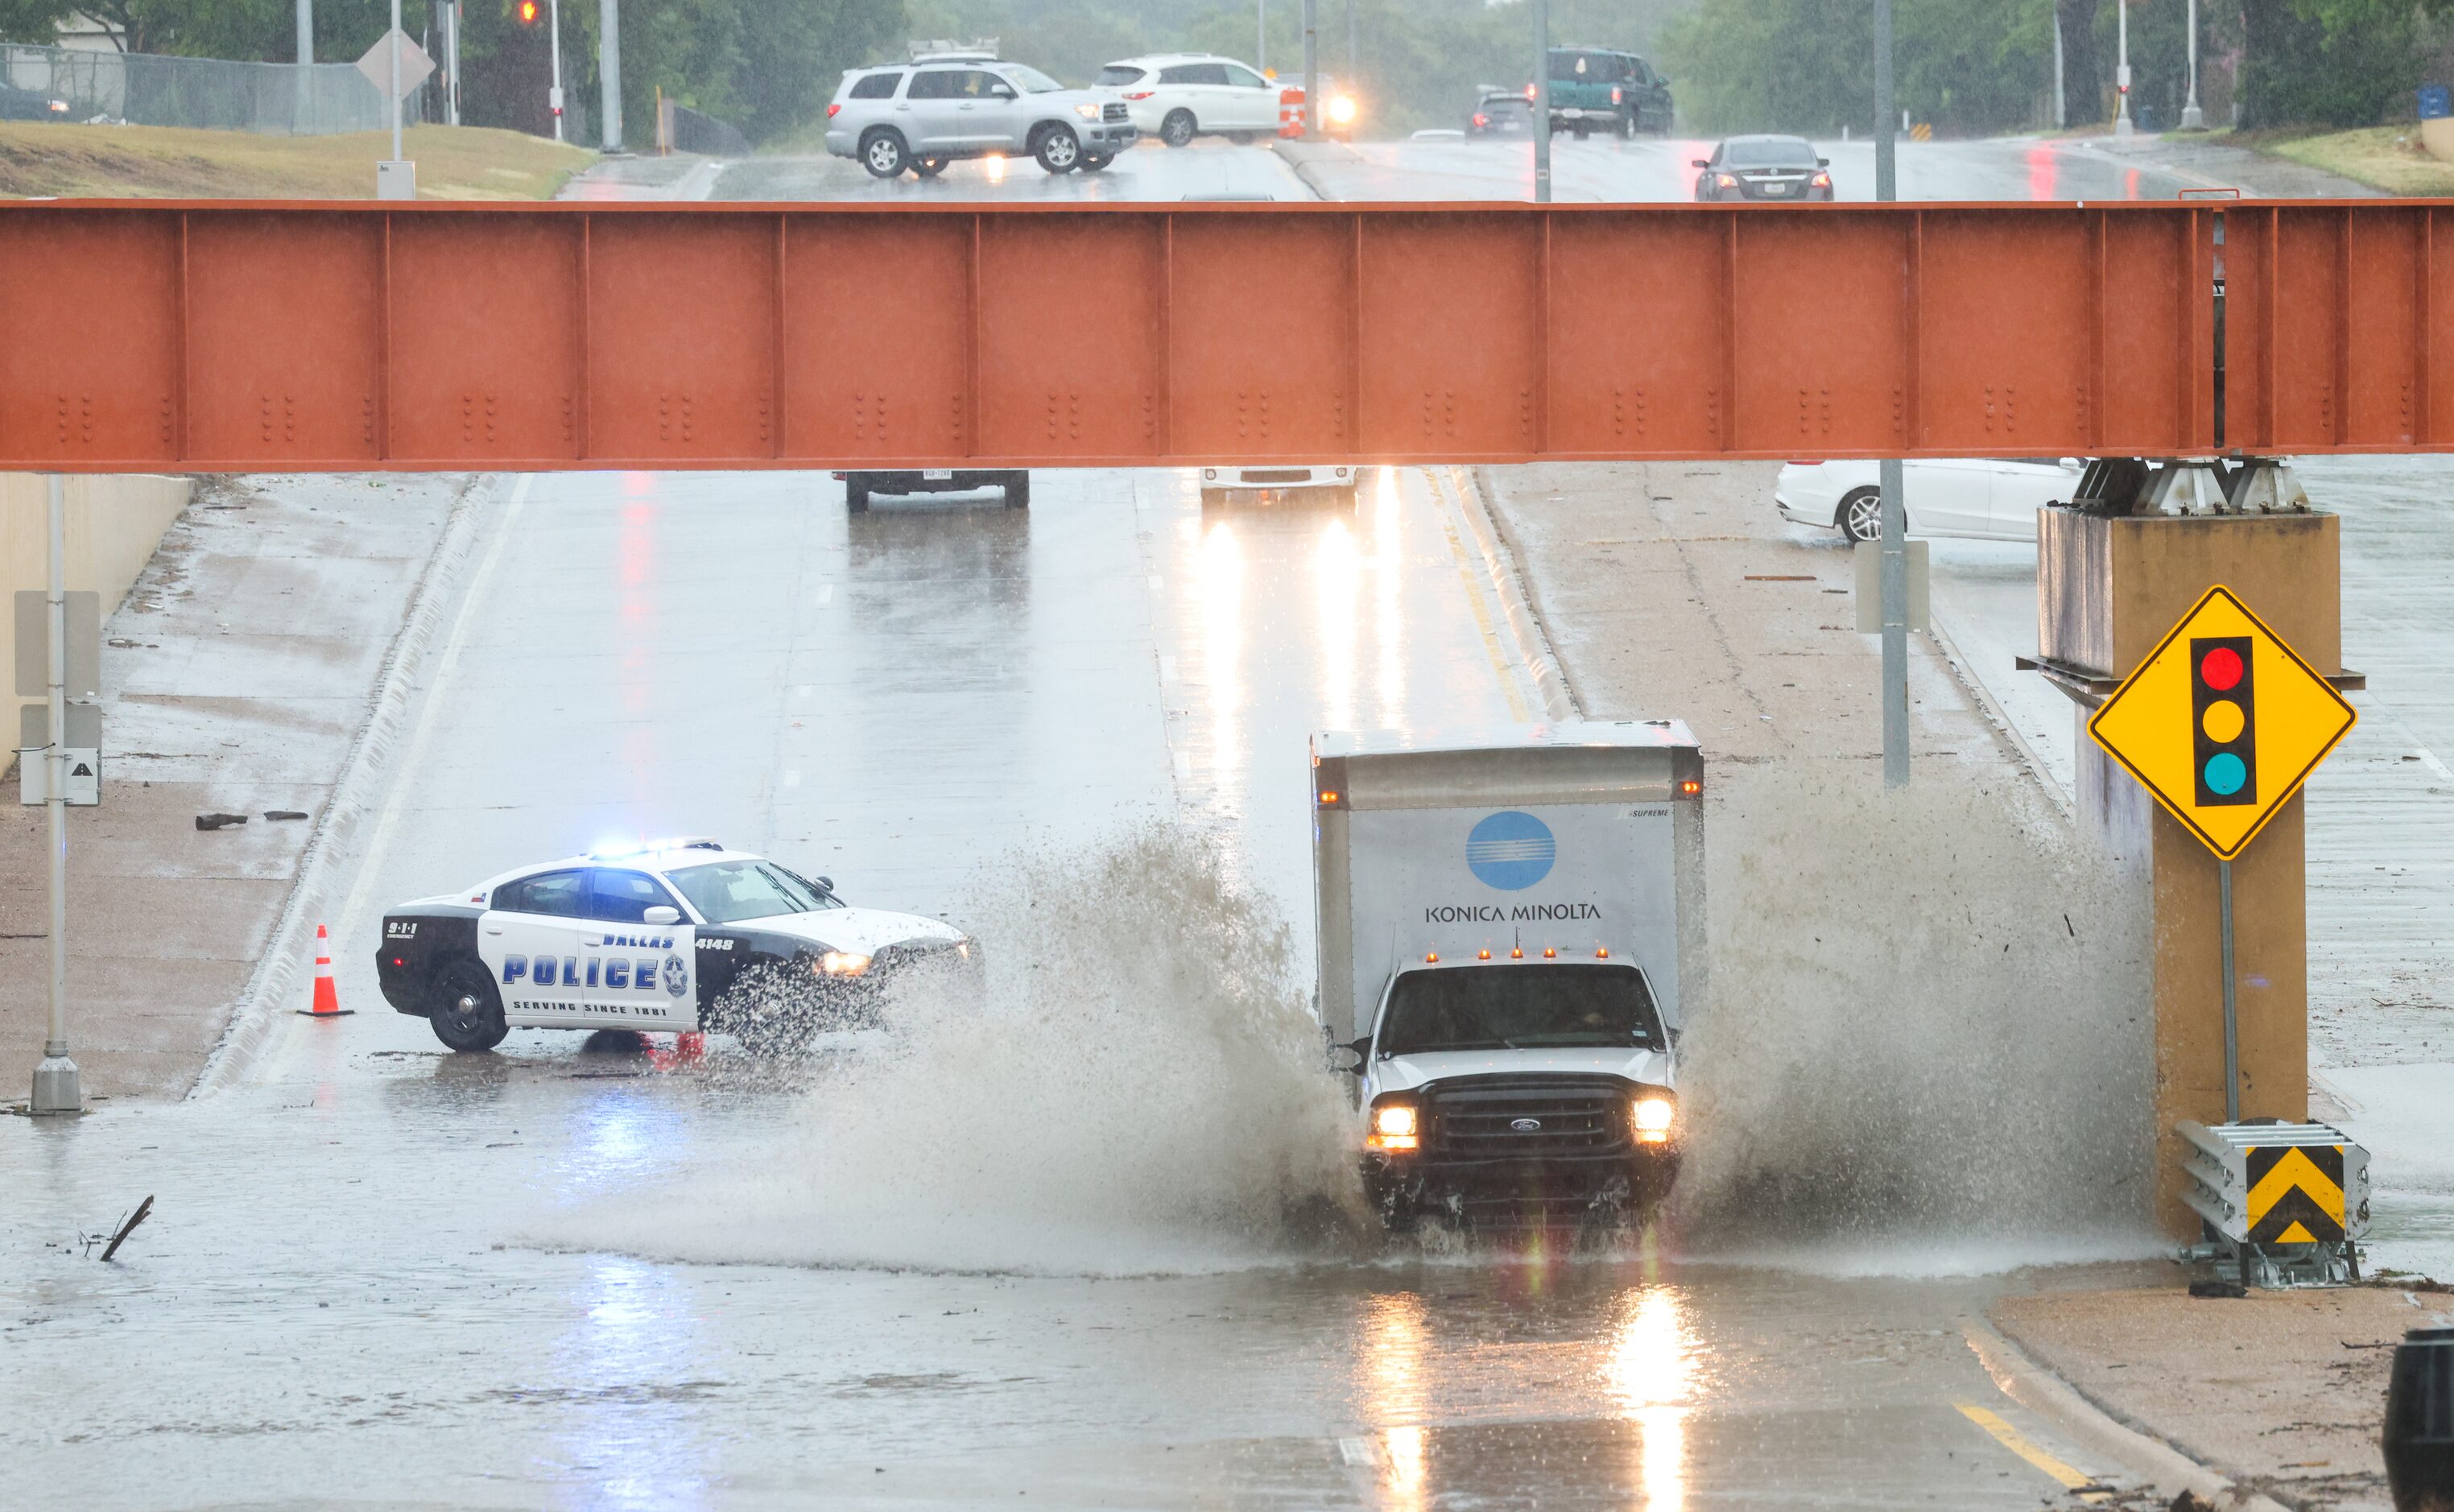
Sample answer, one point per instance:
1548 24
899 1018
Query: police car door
639 975
530 938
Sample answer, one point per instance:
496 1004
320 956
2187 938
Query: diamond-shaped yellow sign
2222 722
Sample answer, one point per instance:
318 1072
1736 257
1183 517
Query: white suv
1177 96
922 116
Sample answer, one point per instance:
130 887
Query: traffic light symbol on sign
527 12
2224 713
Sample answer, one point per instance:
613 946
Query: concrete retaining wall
114 524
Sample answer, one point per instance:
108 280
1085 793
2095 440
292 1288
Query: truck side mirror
1823 162
826 884
1697 162
1351 1058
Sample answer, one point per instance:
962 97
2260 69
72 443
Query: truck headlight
842 963
1341 109
1653 1119
1393 1128
1087 111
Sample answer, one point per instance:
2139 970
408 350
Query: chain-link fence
141 88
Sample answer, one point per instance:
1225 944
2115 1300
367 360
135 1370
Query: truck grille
1112 111
1475 1118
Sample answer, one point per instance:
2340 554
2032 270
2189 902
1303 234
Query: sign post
57 1088
396 66
2221 723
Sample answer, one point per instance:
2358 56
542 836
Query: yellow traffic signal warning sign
2222 722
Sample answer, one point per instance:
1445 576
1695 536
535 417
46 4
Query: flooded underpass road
1022 1257
336 1303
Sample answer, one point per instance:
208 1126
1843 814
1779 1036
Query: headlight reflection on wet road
1648 1374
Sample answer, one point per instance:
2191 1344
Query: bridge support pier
2114 573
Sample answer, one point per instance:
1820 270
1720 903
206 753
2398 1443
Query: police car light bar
615 849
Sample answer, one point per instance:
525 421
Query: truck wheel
1059 150
1243 138
883 154
467 1009
855 496
1860 516
1625 125
931 166
1582 128
1176 130
1018 494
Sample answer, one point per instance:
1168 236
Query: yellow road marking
2018 1443
1500 661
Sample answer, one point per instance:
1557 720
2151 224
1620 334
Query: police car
677 935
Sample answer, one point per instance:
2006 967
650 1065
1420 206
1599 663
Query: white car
1177 96
1993 499
673 935
1268 483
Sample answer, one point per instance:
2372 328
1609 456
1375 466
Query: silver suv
923 115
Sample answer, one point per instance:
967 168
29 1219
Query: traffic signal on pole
2224 710
529 12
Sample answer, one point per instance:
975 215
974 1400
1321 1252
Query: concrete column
2108 590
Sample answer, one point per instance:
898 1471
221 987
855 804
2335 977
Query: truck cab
1511 931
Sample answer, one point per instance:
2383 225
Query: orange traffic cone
328 1002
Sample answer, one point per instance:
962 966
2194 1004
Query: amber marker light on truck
1690 788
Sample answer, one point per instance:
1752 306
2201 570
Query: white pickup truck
1511 931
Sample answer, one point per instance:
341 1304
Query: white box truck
1511 933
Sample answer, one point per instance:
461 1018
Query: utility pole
2122 123
1261 35
2193 119
609 69
1895 578
2061 102
451 61
554 41
1312 111
396 85
57 1086
305 31
1541 102
1350 43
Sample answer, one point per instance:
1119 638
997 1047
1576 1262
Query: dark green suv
1595 86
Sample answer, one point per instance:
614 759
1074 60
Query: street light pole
554 41
1541 102
305 31
2122 123
1891 475
2193 119
1313 111
609 69
57 1086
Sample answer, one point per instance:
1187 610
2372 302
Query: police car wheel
468 1011
1862 516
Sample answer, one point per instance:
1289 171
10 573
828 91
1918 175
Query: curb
1995 714
2039 1390
1500 567
254 1013
1301 155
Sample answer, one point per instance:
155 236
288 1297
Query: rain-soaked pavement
377 1271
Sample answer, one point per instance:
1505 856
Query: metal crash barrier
2287 1202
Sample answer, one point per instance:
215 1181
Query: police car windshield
729 892
1520 1007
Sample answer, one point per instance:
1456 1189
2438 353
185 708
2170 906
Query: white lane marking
388 823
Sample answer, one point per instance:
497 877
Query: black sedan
1501 112
31 105
1766 168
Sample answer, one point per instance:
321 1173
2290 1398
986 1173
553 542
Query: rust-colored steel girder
241 335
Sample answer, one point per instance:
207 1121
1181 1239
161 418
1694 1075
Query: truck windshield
729 892
1514 1007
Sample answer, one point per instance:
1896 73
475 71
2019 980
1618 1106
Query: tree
2082 74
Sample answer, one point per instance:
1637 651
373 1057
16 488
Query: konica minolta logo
1511 851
